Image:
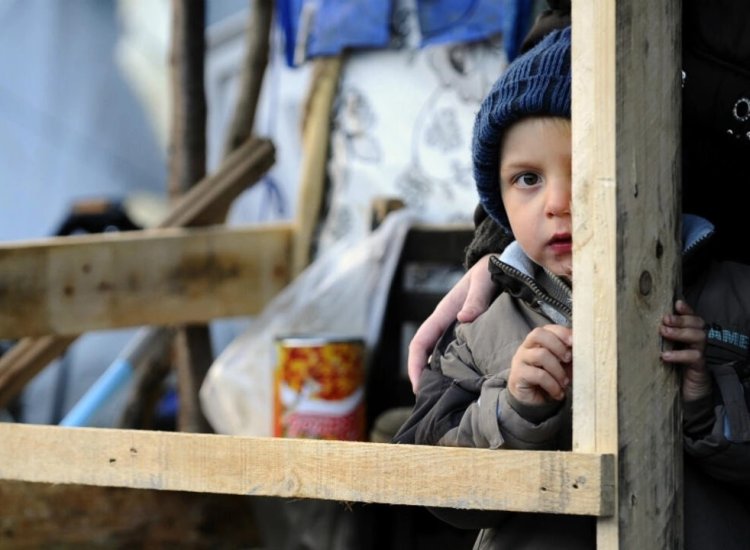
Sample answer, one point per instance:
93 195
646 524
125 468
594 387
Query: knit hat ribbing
535 84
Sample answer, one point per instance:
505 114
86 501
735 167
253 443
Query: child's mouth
561 243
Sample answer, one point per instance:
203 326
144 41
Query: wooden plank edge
115 309
523 481
139 236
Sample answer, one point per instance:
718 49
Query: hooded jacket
463 401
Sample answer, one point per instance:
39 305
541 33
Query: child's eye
527 179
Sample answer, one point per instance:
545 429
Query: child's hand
541 368
688 331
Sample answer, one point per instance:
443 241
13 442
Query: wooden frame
627 413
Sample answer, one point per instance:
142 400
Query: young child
504 380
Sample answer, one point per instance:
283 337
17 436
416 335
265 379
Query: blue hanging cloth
288 12
349 24
334 26
443 21
338 24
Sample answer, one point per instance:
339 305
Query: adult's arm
466 300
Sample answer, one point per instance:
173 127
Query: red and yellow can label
319 389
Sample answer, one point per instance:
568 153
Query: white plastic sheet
343 293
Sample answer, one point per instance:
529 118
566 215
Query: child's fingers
563 333
531 377
543 359
554 338
538 367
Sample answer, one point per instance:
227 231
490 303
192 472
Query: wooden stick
256 60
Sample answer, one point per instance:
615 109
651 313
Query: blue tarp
340 24
443 21
352 23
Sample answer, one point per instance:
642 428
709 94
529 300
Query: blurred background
85 122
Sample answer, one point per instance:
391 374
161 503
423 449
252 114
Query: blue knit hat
536 83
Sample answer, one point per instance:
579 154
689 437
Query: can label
319 389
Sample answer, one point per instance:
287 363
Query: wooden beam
316 135
626 159
70 285
557 482
193 352
257 38
207 202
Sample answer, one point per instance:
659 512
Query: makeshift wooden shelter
626 463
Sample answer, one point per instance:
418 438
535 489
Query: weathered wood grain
560 482
70 285
626 119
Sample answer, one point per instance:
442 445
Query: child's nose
558 197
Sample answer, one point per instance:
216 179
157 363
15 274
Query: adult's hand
469 298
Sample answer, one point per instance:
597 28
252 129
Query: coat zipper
531 283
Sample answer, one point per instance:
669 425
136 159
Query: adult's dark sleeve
556 16
489 237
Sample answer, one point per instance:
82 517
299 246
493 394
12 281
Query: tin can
319 388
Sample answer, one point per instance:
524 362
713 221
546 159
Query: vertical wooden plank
187 163
626 114
315 138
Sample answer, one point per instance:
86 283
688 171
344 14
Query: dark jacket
463 401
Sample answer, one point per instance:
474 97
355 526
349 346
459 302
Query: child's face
535 179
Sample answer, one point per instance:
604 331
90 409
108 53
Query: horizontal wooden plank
69 285
541 481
